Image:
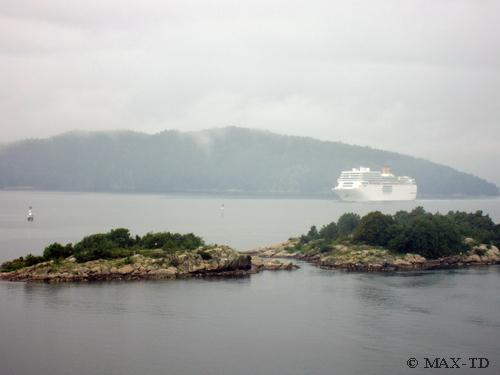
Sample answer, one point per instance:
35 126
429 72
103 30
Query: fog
419 77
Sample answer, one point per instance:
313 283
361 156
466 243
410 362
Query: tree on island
347 223
420 232
373 229
117 243
429 235
329 231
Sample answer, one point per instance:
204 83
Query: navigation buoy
30 214
222 209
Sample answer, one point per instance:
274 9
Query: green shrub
428 235
121 253
475 225
13 265
170 241
329 232
56 251
151 253
121 238
324 248
311 235
95 246
21 262
31 260
117 243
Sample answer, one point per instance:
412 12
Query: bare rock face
126 269
473 258
493 254
279 250
163 273
243 262
272 264
414 259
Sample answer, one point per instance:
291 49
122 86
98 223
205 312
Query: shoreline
240 195
368 259
223 263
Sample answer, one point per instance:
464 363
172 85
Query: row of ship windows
365 177
385 188
368 179
391 181
361 174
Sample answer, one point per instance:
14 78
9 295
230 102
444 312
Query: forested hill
218 160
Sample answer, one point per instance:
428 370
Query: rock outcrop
272 264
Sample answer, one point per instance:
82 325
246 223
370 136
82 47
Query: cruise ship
362 184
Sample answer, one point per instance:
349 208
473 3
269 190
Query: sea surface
309 321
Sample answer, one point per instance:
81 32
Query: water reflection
309 320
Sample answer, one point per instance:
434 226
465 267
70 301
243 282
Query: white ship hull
377 193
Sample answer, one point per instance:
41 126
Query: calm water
244 224
308 321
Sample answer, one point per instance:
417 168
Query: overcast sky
418 77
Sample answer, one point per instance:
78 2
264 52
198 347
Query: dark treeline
117 243
219 160
418 232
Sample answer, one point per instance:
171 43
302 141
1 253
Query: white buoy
30 214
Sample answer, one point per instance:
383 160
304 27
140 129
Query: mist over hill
225 160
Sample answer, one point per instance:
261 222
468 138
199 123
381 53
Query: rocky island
118 256
376 242
405 241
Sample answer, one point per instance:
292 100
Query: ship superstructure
363 184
